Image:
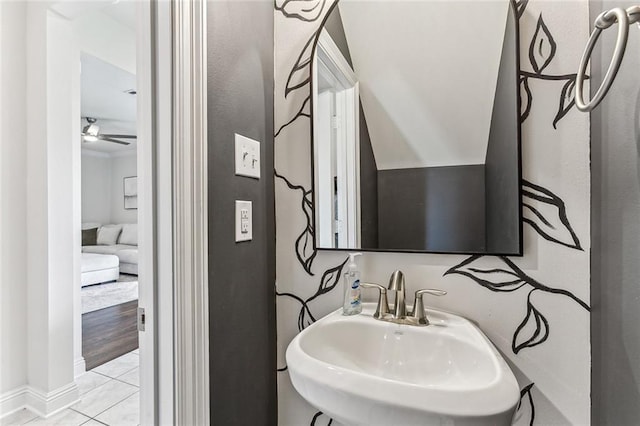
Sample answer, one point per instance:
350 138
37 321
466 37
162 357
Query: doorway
336 106
91 88
52 348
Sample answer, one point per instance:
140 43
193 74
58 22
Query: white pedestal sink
362 371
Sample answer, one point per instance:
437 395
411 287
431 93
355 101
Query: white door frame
173 212
191 270
149 147
172 172
323 169
332 61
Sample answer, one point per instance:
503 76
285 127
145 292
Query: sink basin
362 371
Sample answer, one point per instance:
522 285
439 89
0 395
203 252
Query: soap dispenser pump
352 304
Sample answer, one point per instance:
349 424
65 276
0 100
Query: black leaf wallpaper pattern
509 278
543 210
300 75
542 48
305 249
525 98
330 279
321 419
303 112
304 10
567 100
521 5
550 228
494 278
539 324
526 398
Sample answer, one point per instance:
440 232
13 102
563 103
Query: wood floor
109 333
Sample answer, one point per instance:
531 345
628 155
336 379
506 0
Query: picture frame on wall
130 191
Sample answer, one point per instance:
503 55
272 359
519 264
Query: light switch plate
247 157
244 221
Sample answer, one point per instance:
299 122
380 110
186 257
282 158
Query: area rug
101 296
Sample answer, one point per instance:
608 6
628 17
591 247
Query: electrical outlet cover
244 221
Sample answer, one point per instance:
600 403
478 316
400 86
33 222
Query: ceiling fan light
91 129
90 138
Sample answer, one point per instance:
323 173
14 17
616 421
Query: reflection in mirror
416 134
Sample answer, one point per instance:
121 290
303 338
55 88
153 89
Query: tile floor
109 395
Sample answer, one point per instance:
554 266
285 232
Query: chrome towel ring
605 20
634 14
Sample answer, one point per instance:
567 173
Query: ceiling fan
91 133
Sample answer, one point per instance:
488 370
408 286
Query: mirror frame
514 15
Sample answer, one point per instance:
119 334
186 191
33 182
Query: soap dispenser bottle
352 304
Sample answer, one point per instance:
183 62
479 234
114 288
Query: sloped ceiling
107 39
103 96
103 88
124 11
427 73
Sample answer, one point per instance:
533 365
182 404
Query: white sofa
99 268
120 240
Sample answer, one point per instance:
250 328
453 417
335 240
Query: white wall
40 270
63 142
122 166
96 187
52 233
37 253
13 189
102 186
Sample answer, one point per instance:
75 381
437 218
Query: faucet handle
383 304
418 306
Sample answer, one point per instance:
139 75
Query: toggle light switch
247 157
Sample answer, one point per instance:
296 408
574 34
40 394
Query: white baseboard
13 401
79 367
46 404
42 404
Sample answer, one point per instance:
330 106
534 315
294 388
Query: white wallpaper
536 308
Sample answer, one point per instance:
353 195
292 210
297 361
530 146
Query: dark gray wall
368 189
335 28
501 166
368 167
615 233
241 275
432 208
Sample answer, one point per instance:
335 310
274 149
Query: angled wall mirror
415 127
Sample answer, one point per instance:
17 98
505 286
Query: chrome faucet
396 283
399 313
